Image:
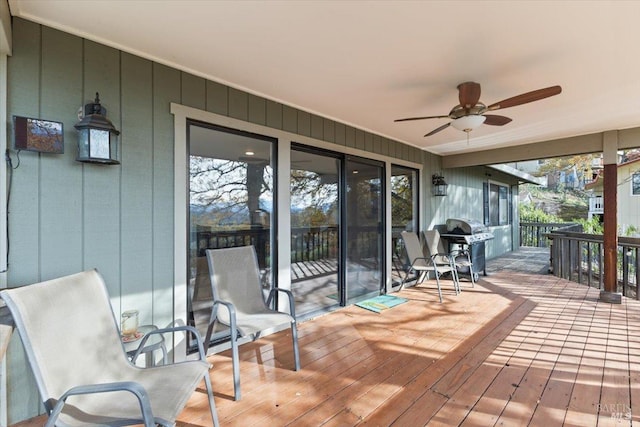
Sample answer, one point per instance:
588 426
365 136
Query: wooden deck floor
519 349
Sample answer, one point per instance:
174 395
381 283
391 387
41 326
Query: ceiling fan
470 113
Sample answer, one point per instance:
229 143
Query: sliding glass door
315 220
364 228
337 229
404 214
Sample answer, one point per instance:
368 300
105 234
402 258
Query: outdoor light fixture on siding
97 137
439 186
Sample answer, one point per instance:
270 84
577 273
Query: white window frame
507 220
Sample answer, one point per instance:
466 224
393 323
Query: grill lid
465 226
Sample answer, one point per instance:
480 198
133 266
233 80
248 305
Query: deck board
519 348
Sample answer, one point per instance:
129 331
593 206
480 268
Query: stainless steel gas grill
470 235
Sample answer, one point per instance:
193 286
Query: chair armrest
427 260
448 257
186 328
292 307
133 387
233 327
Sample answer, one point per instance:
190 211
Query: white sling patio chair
422 263
238 302
461 258
440 256
73 345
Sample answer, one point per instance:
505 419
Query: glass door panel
231 185
404 215
364 228
315 212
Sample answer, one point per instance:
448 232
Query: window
635 184
497 205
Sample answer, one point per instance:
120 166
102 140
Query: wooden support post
610 293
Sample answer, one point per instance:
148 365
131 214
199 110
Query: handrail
534 233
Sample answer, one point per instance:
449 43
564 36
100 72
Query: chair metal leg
438 284
421 278
456 280
472 273
235 361
235 358
294 337
406 276
212 405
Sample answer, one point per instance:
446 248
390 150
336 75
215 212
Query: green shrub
529 213
591 226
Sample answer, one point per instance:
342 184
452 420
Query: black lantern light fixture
439 185
97 137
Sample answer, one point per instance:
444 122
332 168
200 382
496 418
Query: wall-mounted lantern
97 137
439 185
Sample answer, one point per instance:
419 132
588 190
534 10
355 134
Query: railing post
637 265
610 293
625 271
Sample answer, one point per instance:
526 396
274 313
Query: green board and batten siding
66 216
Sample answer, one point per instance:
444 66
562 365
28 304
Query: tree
227 191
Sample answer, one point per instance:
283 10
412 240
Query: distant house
628 193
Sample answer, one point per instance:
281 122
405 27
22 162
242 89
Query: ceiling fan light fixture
468 123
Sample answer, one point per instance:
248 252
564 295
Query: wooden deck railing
314 243
307 243
534 234
579 257
258 237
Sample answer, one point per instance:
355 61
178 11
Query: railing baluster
589 263
580 261
625 271
600 274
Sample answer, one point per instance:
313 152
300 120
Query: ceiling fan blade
468 94
443 127
493 120
421 118
526 97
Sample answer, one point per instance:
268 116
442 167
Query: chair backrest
202 286
235 277
414 248
68 330
435 246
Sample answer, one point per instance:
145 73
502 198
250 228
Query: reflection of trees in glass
224 192
43 135
365 210
314 199
401 200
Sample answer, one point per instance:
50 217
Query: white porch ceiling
367 63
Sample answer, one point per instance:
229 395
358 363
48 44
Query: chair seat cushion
256 322
169 387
